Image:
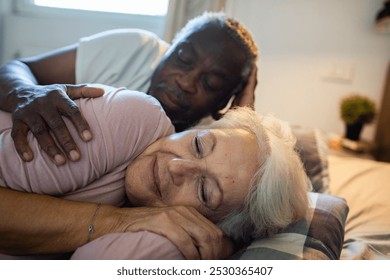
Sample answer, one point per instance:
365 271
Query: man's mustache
177 93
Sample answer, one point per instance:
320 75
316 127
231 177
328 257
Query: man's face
210 170
198 74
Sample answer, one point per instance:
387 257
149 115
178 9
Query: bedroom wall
4 8
26 31
313 53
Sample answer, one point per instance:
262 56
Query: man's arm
35 224
40 224
33 91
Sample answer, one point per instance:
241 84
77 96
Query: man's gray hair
278 193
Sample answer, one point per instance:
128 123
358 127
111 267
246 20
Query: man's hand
194 235
40 109
247 96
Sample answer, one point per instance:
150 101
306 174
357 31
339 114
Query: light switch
339 72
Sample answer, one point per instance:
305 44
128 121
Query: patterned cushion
312 148
318 236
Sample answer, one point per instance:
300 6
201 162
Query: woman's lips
156 177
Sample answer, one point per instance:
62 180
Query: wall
313 53
29 32
4 9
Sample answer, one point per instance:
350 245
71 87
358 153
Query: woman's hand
194 235
40 109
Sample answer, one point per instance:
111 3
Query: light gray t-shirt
119 58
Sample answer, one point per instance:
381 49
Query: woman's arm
39 108
39 224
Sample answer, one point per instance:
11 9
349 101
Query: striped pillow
318 236
313 150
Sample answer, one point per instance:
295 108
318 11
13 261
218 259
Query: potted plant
356 111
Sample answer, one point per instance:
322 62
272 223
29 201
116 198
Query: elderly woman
240 172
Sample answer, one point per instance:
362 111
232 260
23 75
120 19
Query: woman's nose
181 169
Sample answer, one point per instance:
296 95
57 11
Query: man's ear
217 115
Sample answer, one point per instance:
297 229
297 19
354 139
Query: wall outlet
339 72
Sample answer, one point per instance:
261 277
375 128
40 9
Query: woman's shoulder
127 102
128 109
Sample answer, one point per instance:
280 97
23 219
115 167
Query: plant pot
353 131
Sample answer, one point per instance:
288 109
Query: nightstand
349 148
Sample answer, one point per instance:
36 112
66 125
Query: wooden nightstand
340 146
350 148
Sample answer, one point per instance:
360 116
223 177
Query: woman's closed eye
198 146
203 196
203 143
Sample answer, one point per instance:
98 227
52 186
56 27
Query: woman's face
210 170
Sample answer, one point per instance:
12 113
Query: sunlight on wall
144 7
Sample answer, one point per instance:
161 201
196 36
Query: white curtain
180 11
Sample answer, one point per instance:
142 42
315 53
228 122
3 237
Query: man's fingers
19 135
70 110
92 92
45 140
80 91
41 112
63 136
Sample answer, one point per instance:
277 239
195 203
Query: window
92 16
140 7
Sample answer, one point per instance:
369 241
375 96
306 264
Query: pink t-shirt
123 123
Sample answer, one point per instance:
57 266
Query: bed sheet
365 184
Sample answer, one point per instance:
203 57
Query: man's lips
171 97
171 102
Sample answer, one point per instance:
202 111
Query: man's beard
182 118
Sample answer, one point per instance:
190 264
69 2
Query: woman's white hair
278 194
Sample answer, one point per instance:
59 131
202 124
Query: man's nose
187 81
182 170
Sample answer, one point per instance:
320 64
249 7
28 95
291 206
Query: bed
365 184
348 216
